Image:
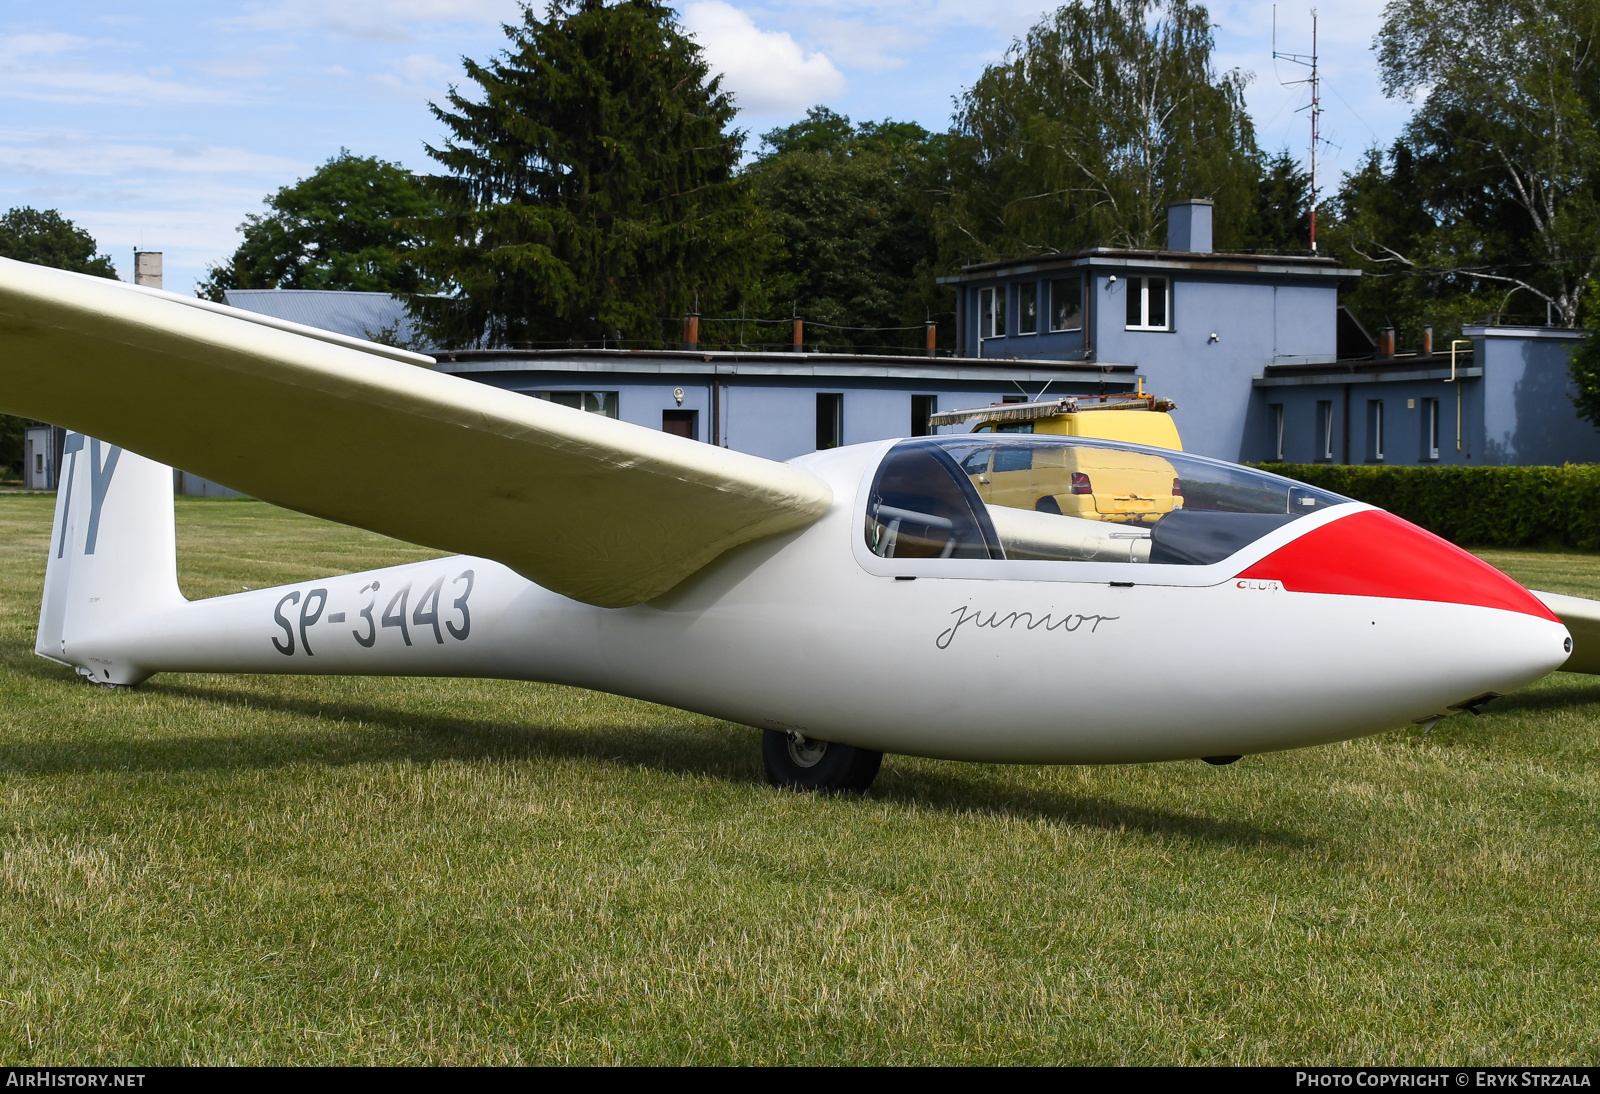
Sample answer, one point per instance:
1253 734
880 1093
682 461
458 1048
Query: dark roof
357 314
1438 365
1215 261
752 363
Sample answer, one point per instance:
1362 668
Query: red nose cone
1378 554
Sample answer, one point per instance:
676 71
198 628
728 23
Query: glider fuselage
812 633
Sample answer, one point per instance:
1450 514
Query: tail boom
447 617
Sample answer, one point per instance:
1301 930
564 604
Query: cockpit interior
1016 496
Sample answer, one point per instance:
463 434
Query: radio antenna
1315 84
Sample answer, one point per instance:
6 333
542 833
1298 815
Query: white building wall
38 456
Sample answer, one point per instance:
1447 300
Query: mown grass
236 869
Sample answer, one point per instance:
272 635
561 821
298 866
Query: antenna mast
1316 102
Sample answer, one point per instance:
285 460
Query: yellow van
1109 484
1136 418
1094 483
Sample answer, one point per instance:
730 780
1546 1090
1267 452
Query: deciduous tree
1100 116
351 224
45 237
1504 153
851 205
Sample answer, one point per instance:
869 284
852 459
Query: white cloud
767 71
32 67
421 68
25 152
865 47
16 46
375 20
184 199
234 68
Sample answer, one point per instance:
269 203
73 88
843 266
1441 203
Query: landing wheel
817 765
1221 761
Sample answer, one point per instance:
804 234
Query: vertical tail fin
113 556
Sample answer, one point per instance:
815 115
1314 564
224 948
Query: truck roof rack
1049 408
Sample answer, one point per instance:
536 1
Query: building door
681 423
830 419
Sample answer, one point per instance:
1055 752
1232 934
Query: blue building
1255 350
778 405
1199 326
1500 396
1263 363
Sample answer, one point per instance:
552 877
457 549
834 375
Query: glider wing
1581 617
596 509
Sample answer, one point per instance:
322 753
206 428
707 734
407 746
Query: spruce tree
593 187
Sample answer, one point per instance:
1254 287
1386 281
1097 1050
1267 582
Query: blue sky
162 124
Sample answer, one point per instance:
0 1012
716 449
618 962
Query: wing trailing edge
599 510
1581 617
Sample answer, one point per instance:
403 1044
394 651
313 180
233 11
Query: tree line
592 186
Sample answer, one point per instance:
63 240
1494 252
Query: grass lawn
290 869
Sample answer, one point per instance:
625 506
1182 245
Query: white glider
971 597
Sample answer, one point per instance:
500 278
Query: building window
1148 303
38 463
681 423
1375 430
1028 308
992 313
1066 304
1325 431
830 419
1430 429
923 407
595 402
1277 431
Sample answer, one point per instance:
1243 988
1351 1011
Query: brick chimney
147 268
1189 225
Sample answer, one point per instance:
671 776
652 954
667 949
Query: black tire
817 765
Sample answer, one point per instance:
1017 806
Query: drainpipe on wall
961 320
1346 458
716 409
1455 381
1088 313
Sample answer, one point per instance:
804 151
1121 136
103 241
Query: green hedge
1475 506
